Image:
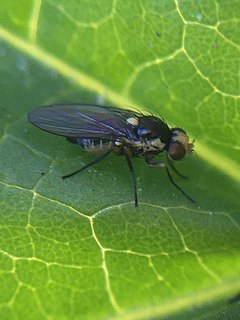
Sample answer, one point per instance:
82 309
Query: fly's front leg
177 186
176 171
157 164
160 164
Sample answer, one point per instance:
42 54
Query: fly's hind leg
96 160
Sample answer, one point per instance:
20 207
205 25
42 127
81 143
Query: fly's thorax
179 145
149 128
151 135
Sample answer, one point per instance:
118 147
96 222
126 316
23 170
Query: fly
100 129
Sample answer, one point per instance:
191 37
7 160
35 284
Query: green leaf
78 249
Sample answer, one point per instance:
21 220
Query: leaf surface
78 249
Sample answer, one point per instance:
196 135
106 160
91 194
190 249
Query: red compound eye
176 151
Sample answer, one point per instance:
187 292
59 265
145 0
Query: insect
101 129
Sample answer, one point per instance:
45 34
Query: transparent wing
82 120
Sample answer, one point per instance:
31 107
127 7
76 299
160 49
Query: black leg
176 171
130 167
156 164
176 186
96 160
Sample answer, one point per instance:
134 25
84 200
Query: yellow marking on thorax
133 121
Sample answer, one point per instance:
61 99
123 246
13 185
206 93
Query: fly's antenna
195 152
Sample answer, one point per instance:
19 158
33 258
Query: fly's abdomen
92 145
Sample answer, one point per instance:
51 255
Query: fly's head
179 145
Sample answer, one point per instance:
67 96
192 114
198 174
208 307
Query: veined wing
82 120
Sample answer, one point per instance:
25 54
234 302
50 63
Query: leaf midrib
182 304
224 164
